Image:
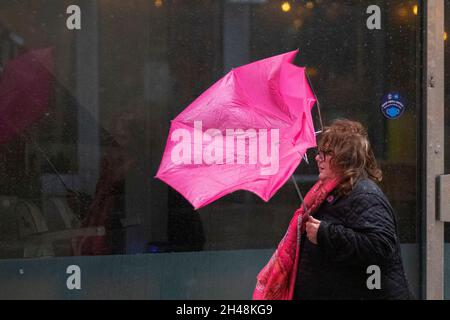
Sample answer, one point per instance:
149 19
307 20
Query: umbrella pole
299 192
44 155
305 156
52 166
320 115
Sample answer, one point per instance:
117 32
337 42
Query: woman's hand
312 227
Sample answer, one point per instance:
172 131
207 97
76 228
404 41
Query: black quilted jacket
356 231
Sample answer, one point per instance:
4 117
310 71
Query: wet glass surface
77 167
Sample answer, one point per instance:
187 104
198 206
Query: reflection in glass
80 174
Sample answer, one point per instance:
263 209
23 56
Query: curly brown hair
352 157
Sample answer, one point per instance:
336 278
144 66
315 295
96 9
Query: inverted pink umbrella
26 85
249 131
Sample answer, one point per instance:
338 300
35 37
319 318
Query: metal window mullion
433 147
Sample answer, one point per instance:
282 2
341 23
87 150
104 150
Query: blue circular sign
393 105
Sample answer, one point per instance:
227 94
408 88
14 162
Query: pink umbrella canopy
249 131
25 88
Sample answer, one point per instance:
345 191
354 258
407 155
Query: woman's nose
317 158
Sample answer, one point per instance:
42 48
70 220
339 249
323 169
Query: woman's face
323 162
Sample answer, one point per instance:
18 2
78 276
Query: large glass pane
77 173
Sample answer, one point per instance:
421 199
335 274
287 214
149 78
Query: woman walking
345 229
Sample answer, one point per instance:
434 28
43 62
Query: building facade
77 189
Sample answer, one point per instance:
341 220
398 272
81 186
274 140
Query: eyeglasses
323 154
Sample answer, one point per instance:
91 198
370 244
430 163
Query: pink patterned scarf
276 281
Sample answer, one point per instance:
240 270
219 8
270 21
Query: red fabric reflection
25 88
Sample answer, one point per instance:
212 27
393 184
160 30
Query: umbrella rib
317 101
